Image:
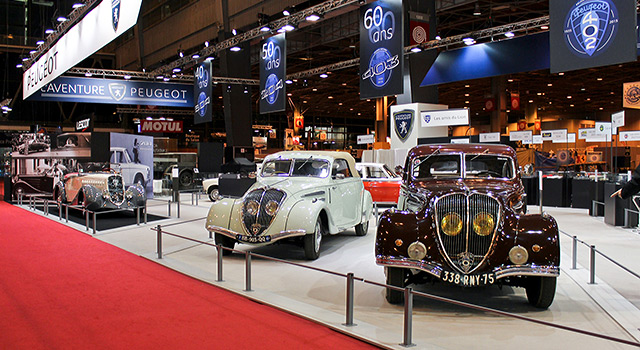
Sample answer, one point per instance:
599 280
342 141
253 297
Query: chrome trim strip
501 272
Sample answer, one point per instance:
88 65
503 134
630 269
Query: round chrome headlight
451 224
483 224
417 251
271 208
518 255
251 207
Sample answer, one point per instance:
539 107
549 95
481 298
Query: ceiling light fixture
195 56
177 70
544 27
39 42
206 44
509 34
88 74
19 65
288 81
416 49
49 31
287 28
235 48
438 37
77 5
324 75
234 31
469 41
127 77
61 19
265 28
286 11
313 17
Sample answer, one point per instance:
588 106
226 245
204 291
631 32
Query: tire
312 242
185 179
138 179
19 189
214 194
397 277
541 291
362 228
226 242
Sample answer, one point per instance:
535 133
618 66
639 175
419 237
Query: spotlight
195 56
324 75
265 28
288 81
476 10
32 52
25 59
235 48
438 37
61 19
77 5
88 74
286 11
206 44
469 41
39 42
228 88
49 31
246 90
509 34
180 53
287 27
209 58
127 77
234 31
19 65
313 17
159 77
166 79
416 49
177 70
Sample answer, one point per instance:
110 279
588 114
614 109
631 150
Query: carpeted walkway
62 289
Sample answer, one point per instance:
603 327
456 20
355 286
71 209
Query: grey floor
609 307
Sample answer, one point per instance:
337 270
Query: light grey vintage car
298 195
98 190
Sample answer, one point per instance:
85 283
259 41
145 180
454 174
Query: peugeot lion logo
403 122
117 91
115 13
590 26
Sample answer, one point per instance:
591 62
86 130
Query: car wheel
139 179
396 277
312 242
226 242
362 228
541 290
214 194
186 178
19 190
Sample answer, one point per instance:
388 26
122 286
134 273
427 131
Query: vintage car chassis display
94 191
461 220
299 196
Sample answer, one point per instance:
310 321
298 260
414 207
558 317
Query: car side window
340 166
377 173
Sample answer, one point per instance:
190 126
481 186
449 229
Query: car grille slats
467 249
256 224
115 186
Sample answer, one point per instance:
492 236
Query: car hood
291 185
493 187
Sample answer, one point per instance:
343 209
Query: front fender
220 213
541 230
303 215
136 195
396 230
367 206
92 197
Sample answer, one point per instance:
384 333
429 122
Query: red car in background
382 182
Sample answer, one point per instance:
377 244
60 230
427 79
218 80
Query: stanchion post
86 219
408 317
248 272
169 208
66 213
349 311
540 187
138 216
159 241
178 205
220 253
46 206
592 272
375 207
575 253
145 212
95 219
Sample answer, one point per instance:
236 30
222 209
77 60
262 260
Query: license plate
253 239
468 280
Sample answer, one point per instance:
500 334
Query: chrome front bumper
248 239
501 271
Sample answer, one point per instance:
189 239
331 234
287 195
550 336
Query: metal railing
409 293
594 204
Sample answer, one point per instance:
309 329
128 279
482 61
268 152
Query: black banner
202 93
381 49
273 70
591 33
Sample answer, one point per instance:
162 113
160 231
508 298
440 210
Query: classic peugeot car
298 195
461 220
98 190
382 182
122 162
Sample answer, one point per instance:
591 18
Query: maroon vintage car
461 220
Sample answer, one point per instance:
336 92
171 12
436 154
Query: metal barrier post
145 212
178 205
408 317
86 219
59 210
169 208
626 217
46 206
220 253
95 217
592 278
575 252
197 197
375 207
248 271
159 241
349 311
138 216
66 212
192 193
540 186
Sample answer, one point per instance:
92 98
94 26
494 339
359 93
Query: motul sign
161 126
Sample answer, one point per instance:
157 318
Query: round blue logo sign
271 85
590 26
202 103
379 65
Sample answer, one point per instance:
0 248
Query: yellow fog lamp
451 224
483 224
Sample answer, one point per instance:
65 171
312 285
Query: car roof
327 155
504 150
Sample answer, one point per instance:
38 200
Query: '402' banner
381 49
273 68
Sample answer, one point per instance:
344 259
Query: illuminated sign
174 126
202 90
381 49
403 122
272 74
591 26
445 117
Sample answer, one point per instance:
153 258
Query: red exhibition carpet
62 289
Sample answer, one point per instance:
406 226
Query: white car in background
132 173
210 187
299 196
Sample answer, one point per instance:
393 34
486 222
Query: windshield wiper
478 155
437 151
304 162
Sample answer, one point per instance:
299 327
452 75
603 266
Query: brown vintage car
461 220
99 190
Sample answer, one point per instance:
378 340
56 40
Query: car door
346 191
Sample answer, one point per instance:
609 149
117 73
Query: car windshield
296 167
447 165
488 165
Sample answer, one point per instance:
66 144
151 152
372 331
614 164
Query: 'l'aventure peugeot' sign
98 28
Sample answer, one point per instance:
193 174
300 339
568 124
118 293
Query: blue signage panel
202 91
381 49
111 91
273 68
591 33
524 54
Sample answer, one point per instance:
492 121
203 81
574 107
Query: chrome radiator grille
256 223
115 186
466 244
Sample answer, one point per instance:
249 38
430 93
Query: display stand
613 207
582 193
